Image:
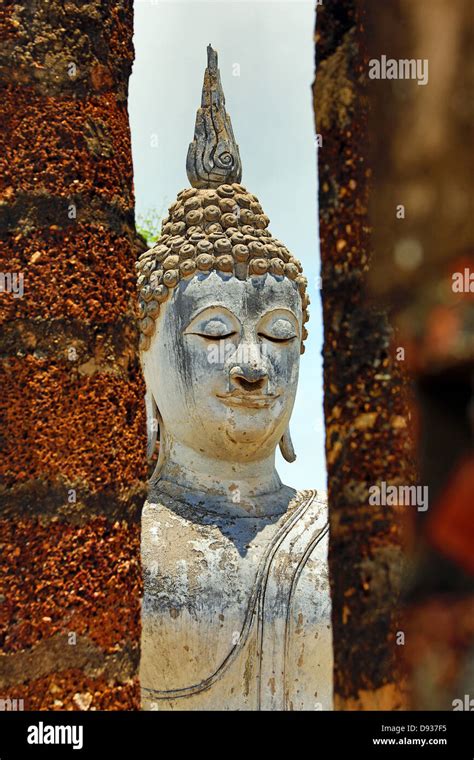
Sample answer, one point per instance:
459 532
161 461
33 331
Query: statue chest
236 613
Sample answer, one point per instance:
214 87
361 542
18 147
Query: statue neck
245 488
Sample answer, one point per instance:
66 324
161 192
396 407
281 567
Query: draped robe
236 612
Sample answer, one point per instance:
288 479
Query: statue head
222 307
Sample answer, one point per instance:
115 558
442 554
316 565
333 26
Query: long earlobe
152 423
161 456
286 446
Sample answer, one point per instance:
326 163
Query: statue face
223 364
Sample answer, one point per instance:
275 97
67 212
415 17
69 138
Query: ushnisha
214 225
223 230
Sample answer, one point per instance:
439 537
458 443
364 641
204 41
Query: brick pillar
73 430
365 399
424 270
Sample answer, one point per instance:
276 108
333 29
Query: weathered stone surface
365 399
217 517
68 49
240 621
42 660
61 579
236 608
423 165
213 156
71 394
212 239
73 690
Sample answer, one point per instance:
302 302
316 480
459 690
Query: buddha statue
236 607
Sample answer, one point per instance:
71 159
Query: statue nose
248 379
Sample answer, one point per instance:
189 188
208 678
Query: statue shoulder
314 503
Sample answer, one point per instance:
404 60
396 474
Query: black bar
143 735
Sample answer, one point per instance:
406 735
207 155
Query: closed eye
274 339
214 337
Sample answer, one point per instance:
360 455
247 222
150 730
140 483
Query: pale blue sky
266 60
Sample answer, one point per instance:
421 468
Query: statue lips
250 400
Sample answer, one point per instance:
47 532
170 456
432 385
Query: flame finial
213 156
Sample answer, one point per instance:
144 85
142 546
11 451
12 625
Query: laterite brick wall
366 399
73 422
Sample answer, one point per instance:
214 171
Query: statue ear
286 446
152 423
